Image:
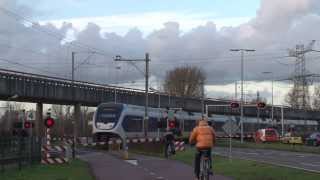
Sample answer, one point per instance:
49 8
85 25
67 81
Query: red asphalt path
105 166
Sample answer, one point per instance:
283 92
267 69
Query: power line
29 67
32 51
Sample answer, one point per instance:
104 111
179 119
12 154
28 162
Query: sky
39 35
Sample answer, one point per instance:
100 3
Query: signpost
230 127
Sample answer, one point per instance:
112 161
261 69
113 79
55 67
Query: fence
17 152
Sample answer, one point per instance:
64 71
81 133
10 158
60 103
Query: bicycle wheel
204 169
168 151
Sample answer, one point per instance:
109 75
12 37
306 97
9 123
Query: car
291 138
313 139
267 135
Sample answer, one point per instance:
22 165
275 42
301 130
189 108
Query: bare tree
185 81
292 99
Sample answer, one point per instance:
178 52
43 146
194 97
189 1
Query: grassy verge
250 170
274 146
76 170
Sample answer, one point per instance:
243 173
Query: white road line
273 163
311 164
159 177
132 161
152 173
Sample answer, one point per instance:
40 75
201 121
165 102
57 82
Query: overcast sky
39 35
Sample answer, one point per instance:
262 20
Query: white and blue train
114 120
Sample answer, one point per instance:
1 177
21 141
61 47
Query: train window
132 123
153 124
107 118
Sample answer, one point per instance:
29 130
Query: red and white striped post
48 139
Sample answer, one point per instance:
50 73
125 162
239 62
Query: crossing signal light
261 105
172 124
234 105
49 122
28 125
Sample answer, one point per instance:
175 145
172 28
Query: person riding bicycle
204 136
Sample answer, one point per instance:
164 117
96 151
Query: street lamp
269 72
242 79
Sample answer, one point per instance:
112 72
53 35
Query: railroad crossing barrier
55 154
179 145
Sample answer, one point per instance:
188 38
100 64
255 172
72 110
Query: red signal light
261 105
27 125
172 124
234 105
49 122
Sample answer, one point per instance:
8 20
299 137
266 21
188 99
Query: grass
250 170
76 170
274 146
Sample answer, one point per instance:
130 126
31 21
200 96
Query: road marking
249 153
311 164
159 177
152 173
132 161
273 163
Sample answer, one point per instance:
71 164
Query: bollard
125 153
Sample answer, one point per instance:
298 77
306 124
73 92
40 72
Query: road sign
31 115
170 114
230 127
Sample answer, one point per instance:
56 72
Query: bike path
106 166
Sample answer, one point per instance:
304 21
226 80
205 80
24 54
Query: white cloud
150 21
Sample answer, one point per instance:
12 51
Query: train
118 120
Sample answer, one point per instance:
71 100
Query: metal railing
18 152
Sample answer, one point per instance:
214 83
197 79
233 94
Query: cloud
147 22
171 39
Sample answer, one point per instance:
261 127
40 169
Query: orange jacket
203 135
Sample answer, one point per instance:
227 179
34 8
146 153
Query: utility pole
74 120
258 110
236 90
202 97
272 75
242 79
147 96
146 75
301 83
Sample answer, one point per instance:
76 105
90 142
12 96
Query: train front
106 123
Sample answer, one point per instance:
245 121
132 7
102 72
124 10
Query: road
108 166
305 161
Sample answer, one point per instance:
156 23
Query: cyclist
204 137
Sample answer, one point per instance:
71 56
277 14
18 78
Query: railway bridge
42 89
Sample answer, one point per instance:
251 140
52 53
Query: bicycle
204 166
169 149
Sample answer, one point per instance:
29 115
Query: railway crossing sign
230 127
